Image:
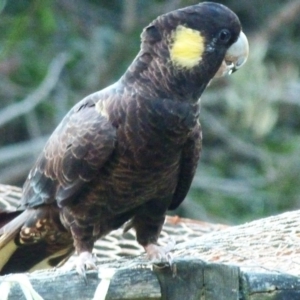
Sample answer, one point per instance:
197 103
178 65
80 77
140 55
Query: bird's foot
85 260
160 254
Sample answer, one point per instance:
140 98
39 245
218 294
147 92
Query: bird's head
192 45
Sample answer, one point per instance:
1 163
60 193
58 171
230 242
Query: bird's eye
224 35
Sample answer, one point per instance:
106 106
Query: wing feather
75 152
188 165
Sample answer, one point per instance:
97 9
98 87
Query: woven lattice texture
271 244
117 244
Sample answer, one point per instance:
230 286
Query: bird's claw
160 254
85 261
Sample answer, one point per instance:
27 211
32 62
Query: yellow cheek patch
187 47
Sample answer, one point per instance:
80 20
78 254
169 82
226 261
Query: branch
16 172
234 142
17 159
289 13
129 17
21 150
30 102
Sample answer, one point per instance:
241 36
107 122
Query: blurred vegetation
53 53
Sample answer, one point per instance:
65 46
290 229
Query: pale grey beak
235 57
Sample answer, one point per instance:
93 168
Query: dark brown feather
79 146
128 152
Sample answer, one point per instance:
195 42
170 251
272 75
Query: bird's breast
145 164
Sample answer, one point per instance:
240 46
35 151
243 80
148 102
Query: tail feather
32 257
6 253
6 217
13 222
11 229
31 240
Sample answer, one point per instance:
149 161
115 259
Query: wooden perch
188 279
257 260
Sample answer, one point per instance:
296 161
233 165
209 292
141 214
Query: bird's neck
158 79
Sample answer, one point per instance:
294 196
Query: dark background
53 53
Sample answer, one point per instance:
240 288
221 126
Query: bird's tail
12 222
35 252
7 216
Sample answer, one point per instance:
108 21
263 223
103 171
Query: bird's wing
188 165
75 152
